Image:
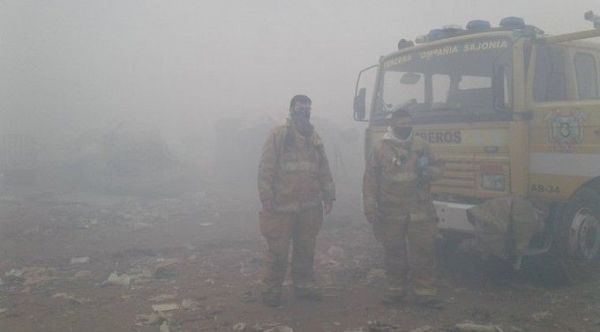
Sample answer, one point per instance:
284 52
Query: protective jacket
396 179
294 172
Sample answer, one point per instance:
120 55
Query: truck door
564 129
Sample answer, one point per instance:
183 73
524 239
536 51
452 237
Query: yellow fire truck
511 112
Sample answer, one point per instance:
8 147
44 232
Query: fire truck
511 112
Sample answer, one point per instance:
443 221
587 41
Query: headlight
495 182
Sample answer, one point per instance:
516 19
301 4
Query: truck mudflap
505 226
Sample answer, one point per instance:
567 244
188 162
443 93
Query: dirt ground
200 254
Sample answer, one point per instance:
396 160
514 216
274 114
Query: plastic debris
163 297
117 280
80 260
377 326
239 326
165 307
14 273
164 327
70 298
83 274
376 277
280 328
472 327
150 319
189 304
539 316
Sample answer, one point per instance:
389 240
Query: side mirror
360 105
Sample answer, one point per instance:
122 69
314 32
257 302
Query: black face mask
402 132
303 115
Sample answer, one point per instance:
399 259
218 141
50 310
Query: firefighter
295 187
397 203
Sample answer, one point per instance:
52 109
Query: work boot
310 293
394 295
271 298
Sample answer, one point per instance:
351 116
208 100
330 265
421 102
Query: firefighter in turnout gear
295 188
397 202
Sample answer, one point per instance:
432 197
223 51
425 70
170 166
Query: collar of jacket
389 136
314 137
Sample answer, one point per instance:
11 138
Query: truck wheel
578 237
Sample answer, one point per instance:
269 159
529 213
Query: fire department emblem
566 131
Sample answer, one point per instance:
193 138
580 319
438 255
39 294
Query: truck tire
578 236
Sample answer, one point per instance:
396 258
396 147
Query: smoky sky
69 66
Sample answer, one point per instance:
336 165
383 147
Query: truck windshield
471 78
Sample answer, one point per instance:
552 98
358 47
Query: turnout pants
409 254
299 229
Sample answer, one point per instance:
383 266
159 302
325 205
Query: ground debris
70 298
376 277
377 326
84 274
266 327
163 297
239 326
425 328
472 327
540 316
165 307
164 327
31 276
189 304
117 280
166 269
79 260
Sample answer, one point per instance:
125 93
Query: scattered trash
189 304
422 329
472 327
539 316
376 277
336 253
31 276
239 327
165 307
80 260
164 327
377 326
14 273
151 319
70 298
117 280
268 327
280 328
84 274
166 269
162 297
